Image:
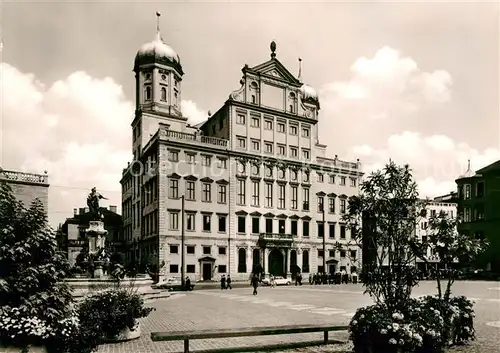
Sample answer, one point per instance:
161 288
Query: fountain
97 260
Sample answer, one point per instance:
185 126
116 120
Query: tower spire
300 69
158 35
273 49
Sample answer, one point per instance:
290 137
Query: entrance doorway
276 263
207 271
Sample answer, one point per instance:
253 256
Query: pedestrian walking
228 282
223 282
310 278
273 281
255 284
188 284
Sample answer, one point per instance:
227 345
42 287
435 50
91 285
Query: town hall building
250 186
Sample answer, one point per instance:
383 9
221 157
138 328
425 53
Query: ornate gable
275 69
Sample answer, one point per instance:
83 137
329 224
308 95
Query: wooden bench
244 332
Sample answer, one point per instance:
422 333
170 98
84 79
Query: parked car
279 280
172 283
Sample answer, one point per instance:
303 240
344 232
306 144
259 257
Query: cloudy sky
416 82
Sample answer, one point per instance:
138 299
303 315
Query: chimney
82 210
112 209
75 211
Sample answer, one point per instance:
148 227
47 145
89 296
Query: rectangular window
293 226
305 228
281 127
173 156
241 192
222 194
331 205
190 249
269 125
207 250
241 224
222 224
353 182
321 253
331 229
255 193
255 122
190 217
342 206
321 204
305 132
342 231
342 180
281 150
222 163
221 269
190 190
293 152
269 147
222 250
174 269
206 160
281 196
353 254
207 192
331 179
207 220
174 189
293 130
305 199
467 215
174 249
331 253
269 225
240 119
342 253
321 230
281 226
174 221
306 154
242 142
190 268
255 145
269 195
255 225
294 197
320 178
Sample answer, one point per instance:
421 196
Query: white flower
383 331
418 337
395 326
392 341
401 342
362 316
354 322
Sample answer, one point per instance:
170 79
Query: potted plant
113 314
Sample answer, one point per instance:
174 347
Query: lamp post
183 274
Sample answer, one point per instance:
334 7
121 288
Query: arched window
305 261
253 99
176 98
163 94
242 261
147 93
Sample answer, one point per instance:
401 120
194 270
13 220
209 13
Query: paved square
210 309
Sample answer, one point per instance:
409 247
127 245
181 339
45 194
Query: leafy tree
31 268
453 248
383 217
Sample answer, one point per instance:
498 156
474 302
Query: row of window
471 214
269 148
206 160
190 221
190 191
222 250
269 125
465 191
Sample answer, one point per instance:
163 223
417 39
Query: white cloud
436 160
78 129
387 85
192 112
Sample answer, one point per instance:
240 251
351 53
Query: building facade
440 204
252 184
478 205
27 187
72 238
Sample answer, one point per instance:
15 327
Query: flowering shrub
106 313
463 320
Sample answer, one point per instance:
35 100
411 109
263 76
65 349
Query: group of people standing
225 282
333 278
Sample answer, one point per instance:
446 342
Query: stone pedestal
98 271
96 235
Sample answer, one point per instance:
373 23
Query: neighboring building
72 238
434 208
478 205
28 186
254 176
